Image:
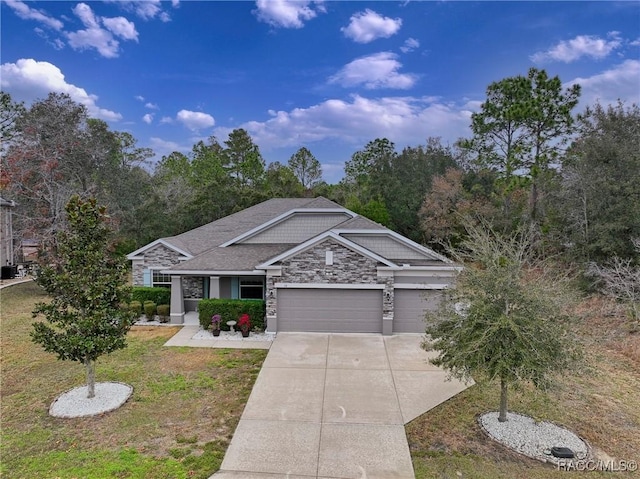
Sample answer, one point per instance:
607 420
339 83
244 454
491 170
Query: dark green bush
146 293
149 310
163 311
230 310
136 306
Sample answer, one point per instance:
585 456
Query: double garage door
351 310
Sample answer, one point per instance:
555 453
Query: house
319 267
6 232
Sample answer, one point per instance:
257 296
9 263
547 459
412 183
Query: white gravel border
532 439
235 336
75 403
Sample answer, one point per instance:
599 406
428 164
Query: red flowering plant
215 322
244 323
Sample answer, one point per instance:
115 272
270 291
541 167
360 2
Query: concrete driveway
334 406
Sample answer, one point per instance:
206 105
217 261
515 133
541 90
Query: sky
330 76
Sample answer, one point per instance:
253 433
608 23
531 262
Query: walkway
334 406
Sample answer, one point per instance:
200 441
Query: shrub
163 311
231 310
146 293
149 310
136 306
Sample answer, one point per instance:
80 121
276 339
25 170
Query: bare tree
620 279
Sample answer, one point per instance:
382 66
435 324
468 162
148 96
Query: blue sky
330 76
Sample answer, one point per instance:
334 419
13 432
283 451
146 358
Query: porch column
177 300
214 286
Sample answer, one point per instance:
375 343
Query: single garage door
330 310
410 306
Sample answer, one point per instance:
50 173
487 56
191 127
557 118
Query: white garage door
410 306
330 310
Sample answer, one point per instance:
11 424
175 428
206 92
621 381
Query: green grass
601 404
178 423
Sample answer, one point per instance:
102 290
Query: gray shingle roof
204 242
241 257
199 240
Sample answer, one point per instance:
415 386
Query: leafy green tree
281 182
504 320
306 168
406 179
86 282
10 111
600 198
374 210
522 128
243 159
363 165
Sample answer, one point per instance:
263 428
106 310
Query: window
160 280
251 289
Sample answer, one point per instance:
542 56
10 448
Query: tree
306 168
404 181
600 197
620 279
243 158
86 283
359 170
522 128
10 111
58 151
281 182
504 319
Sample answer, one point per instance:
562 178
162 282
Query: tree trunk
503 401
91 377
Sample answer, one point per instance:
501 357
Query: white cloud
404 120
151 106
27 13
148 118
195 120
94 36
287 13
139 97
379 70
147 9
635 43
121 27
368 25
609 86
28 79
578 47
410 44
166 120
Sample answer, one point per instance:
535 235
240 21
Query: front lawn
184 409
601 404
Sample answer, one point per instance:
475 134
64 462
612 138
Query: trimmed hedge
147 293
230 310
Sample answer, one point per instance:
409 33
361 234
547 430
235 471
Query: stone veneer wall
349 267
192 287
158 256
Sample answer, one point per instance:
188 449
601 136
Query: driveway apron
334 406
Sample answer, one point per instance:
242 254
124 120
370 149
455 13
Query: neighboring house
6 232
319 266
